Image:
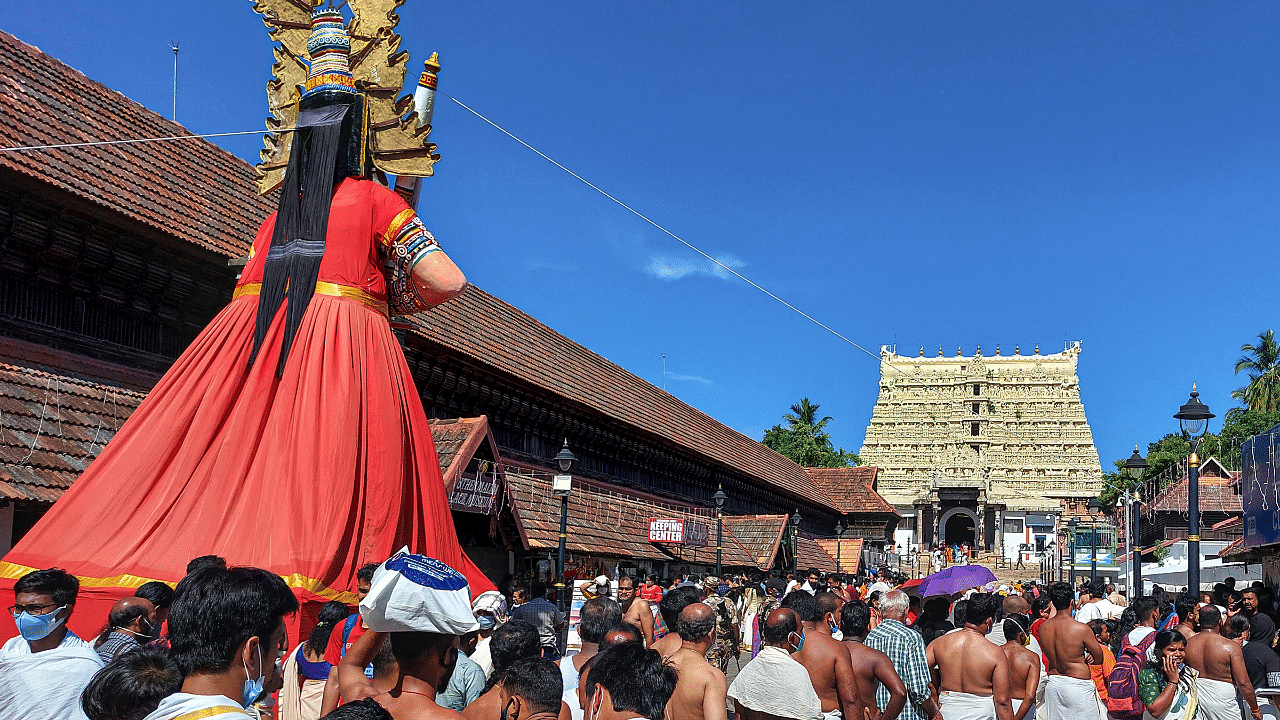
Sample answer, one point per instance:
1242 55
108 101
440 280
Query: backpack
1123 701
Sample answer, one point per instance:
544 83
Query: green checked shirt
905 648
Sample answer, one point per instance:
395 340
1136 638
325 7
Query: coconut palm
1262 363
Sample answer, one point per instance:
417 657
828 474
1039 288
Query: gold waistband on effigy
325 288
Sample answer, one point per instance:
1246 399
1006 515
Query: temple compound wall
990 450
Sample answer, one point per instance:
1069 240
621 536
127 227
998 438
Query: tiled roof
813 556
1216 495
1236 547
851 489
52 425
755 536
601 520
850 552
190 189
456 442
481 326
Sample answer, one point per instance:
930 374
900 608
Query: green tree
1262 363
805 439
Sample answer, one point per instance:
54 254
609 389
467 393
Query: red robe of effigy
310 475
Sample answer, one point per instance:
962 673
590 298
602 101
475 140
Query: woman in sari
1167 685
305 669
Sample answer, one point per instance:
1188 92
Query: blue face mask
486 622
252 688
38 627
801 645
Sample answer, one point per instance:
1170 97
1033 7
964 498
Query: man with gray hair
905 649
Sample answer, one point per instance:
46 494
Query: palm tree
1263 366
806 417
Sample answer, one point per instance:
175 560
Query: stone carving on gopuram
973 447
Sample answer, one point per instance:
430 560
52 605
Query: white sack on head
415 593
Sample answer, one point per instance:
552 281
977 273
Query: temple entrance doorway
959 529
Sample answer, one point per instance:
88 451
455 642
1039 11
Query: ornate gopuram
992 450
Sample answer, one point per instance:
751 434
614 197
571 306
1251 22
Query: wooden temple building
113 258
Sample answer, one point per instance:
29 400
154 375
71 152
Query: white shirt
180 706
774 683
1104 609
45 685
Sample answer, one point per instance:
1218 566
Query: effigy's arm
420 275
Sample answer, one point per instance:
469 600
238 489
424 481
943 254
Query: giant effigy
289 435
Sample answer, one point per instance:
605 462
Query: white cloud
671 268
688 378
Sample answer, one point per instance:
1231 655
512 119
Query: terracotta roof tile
755 536
850 552
190 189
52 425
851 489
603 520
1216 495
813 556
481 326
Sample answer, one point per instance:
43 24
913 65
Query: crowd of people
807 647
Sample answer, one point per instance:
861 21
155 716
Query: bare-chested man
970 672
1220 663
826 660
1024 666
701 687
635 610
1069 647
425 662
673 602
871 668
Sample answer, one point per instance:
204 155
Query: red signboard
674 531
666 530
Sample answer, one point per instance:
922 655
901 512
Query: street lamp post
719 497
561 485
839 542
1194 421
1094 506
1071 549
795 541
1135 466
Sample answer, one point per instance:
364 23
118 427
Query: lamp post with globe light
561 486
1193 418
1135 466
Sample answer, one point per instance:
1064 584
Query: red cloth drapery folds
310 476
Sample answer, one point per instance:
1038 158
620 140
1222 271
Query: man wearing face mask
131 622
828 663
491 611
227 631
44 669
773 685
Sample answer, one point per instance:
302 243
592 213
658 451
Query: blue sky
923 173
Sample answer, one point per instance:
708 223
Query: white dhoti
1216 700
966 706
1068 698
833 715
1031 712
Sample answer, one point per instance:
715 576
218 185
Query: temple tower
992 450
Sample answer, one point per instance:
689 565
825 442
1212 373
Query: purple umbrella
955 579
